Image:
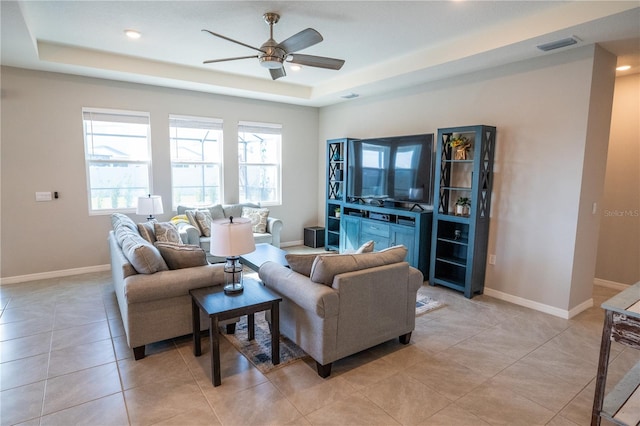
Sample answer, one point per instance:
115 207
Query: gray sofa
336 305
155 303
191 235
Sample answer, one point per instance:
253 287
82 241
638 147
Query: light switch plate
43 196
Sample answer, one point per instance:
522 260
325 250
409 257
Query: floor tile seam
122 390
81 370
197 382
28 334
361 392
83 343
42 414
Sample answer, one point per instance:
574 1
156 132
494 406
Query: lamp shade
150 205
231 237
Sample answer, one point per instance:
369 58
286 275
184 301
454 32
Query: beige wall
42 150
541 109
619 243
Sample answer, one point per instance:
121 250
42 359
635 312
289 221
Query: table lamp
231 238
150 205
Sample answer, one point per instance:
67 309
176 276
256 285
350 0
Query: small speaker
314 236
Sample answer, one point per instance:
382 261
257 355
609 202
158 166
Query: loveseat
336 305
152 281
193 230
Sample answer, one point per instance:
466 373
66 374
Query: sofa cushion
302 263
119 219
167 232
147 230
366 247
217 212
203 219
326 267
258 217
180 256
143 256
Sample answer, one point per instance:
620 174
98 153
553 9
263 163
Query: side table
218 306
621 324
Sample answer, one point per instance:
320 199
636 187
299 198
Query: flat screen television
396 168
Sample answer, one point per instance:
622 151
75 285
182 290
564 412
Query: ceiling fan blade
276 73
233 41
317 61
212 61
301 40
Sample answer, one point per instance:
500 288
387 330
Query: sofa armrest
274 227
299 289
189 234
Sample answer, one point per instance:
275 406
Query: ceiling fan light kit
273 54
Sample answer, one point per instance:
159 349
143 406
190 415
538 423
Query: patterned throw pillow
167 232
258 218
203 218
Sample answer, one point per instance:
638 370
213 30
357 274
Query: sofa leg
231 328
323 370
138 352
405 338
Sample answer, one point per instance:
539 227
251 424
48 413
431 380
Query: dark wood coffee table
264 253
219 306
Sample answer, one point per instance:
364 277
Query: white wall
541 110
619 243
42 150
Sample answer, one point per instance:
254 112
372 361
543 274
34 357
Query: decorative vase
461 154
459 210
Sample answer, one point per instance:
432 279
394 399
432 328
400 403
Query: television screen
396 168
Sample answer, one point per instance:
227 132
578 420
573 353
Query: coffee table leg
251 326
195 317
215 351
275 333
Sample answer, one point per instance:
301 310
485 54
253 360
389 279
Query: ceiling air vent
558 44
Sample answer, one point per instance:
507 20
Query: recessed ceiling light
295 67
132 34
623 68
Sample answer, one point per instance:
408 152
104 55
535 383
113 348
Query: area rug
426 304
258 351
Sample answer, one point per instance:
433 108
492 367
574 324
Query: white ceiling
386 44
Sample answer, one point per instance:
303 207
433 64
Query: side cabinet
464 180
336 175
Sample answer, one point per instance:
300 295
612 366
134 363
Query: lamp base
233 288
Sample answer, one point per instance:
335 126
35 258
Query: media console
352 221
388 227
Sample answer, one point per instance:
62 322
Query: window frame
264 128
145 116
217 124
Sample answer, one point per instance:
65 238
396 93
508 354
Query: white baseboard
53 274
610 284
292 243
547 309
552 310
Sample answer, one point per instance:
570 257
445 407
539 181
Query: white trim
292 243
54 274
547 309
610 284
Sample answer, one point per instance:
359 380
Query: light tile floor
64 360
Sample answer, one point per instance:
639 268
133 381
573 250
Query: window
259 161
118 158
196 160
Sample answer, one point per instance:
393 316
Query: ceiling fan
273 54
